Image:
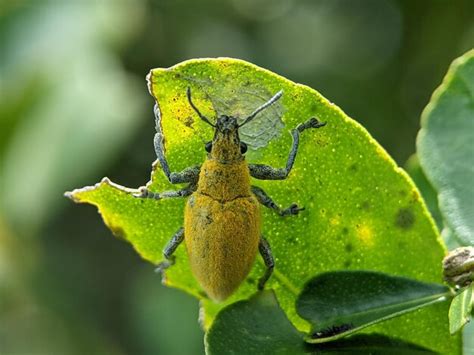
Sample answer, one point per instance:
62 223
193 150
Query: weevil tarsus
143 192
267 201
266 172
169 250
266 253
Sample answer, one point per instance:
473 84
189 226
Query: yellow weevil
222 216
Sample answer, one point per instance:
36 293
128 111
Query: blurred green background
74 107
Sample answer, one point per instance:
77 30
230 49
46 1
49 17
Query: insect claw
313 122
292 210
143 192
161 267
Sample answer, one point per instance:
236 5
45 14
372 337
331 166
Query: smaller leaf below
343 302
460 309
259 326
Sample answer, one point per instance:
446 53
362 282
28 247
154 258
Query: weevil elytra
222 216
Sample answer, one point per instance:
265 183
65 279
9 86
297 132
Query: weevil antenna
263 107
204 118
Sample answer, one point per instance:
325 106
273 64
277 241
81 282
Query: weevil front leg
143 192
266 253
169 249
267 201
265 172
189 175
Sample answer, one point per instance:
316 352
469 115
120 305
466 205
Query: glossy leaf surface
342 302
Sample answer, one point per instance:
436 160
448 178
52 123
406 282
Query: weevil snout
226 142
226 124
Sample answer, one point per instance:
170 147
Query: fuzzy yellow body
222 227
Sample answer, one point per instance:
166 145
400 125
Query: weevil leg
190 174
266 253
169 249
265 172
267 201
143 192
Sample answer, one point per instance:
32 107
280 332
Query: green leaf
362 211
445 146
343 302
460 309
415 171
259 326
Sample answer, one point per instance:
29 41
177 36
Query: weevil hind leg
169 249
267 201
266 253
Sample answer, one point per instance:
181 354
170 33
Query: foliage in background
446 149
59 273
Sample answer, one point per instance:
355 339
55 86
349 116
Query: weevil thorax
224 175
226 142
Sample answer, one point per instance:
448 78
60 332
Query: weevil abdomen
222 228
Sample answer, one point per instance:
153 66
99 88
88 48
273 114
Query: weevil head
226 146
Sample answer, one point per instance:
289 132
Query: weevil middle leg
143 192
266 253
266 172
267 201
169 249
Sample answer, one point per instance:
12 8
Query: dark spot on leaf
402 245
349 247
333 330
405 218
188 121
251 281
402 193
345 230
365 205
353 167
347 263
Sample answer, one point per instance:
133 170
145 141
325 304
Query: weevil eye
208 147
243 147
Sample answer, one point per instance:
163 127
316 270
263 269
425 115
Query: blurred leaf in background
446 149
